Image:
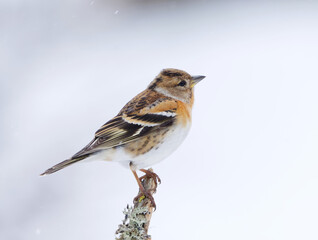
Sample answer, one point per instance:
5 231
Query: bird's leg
153 175
142 190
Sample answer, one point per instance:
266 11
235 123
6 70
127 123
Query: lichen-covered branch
137 218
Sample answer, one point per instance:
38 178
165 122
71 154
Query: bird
147 129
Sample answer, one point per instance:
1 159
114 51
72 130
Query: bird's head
175 83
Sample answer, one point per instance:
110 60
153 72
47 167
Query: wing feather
131 125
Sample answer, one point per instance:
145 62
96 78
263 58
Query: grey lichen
133 226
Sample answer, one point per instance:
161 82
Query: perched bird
147 129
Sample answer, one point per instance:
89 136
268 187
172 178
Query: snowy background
248 169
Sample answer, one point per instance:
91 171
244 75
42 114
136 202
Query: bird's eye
182 83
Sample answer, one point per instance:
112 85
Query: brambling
147 129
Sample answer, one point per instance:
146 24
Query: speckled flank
147 143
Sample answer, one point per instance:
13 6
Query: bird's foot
152 175
145 194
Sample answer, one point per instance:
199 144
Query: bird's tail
63 164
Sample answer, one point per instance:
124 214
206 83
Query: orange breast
184 112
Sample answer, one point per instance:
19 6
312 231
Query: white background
248 169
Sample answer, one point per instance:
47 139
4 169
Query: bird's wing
141 119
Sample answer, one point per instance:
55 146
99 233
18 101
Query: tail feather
62 165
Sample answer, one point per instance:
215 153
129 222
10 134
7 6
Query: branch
137 218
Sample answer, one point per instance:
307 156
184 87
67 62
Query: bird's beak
196 79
